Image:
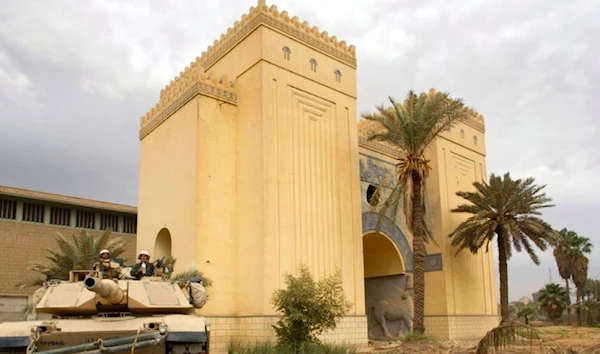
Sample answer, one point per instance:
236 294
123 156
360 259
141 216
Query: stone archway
387 259
162 245
381 257
393 232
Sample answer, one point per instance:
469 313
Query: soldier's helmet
104 251
143 253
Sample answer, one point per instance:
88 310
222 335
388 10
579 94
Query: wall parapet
191 82
281 21
194 80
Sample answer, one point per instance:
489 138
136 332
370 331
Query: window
85 219
338 76
372 196
130 224
474 140
108 221
313 65
462 134
8 209
286 53
33 212
60 216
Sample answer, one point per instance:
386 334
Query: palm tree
526 312
553 301
568 254
580 271
78 252
591 306
592 289
508 209
412 126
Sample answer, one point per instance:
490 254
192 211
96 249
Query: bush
308 308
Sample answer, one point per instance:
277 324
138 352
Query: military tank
92 314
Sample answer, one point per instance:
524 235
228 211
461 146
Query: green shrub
308 308
415 337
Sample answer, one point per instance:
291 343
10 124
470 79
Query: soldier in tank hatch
143 268
106 266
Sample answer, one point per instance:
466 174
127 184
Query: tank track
186 348
171 348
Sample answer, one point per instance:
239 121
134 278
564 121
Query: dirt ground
553 339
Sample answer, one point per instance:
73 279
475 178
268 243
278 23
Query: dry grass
513 338
517 338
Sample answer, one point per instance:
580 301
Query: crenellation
270 16
194 77
193 80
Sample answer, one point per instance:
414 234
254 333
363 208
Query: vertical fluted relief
313 179
467 267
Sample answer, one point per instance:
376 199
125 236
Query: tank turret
89 312
94 295
107 289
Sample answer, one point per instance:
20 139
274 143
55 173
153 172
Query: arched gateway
254 162
387 260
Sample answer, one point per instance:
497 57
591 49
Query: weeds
415 337
305 348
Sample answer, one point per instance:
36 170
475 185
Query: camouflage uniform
109 269
138 271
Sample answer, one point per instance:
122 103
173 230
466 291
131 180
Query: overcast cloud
76 76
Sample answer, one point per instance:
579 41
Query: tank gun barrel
106 288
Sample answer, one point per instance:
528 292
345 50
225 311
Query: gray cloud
75 79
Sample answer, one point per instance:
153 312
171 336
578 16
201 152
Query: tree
526 312
591 307
308 308
411 127
580 272
568 252
508 209
553 301
515 307
79 252
592 289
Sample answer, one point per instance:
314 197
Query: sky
75 78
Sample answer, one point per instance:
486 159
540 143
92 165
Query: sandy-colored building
253 161
29 221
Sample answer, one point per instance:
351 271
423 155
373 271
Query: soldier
108 268
144 268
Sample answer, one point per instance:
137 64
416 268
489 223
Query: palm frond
30 283
510 205
511 333
76 252
191 273
580 269
389 207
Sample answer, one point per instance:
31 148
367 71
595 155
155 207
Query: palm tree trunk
578 292
503 270
418 254
568 302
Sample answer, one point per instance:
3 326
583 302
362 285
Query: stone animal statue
399 308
